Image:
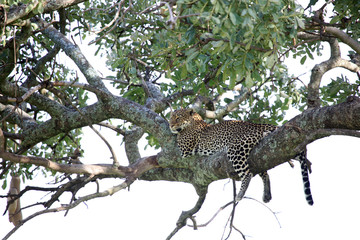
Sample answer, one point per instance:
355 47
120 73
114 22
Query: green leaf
192 56
217 44
235 18
248 81
232 79
184 72
312 3
300 22
302 60
256 76
270 61
4 185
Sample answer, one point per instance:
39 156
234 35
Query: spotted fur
237 138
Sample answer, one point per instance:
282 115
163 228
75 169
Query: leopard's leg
242 169
305 176
267 191
244 185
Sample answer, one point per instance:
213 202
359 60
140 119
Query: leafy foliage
209 47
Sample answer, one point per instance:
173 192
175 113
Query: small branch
313 99
113 20
152 8
29 93
175 96
25 96
273 213
31 80
213 217
116 80
115 161
244 93
112 127
26 189
232 215
115 23
78 85
240 43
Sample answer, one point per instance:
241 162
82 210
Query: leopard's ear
191 111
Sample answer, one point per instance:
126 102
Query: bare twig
213 217
152 8
113 20
116 80
263 204
112 127
115 161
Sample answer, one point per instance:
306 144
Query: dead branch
115 161
112 127
133 171
67 207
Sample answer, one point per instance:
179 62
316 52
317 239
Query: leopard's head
182 118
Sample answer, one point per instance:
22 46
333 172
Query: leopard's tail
305 176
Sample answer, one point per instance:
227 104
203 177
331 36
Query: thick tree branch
17 116
344 38
281 145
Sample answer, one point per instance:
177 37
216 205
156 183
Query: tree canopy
222 58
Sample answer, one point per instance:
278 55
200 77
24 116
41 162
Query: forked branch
189 214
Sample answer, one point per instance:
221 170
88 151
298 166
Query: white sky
150 209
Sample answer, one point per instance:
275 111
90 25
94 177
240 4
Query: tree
224 58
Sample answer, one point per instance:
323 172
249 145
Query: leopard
236 138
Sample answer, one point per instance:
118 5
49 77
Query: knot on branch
354 99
